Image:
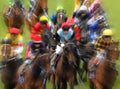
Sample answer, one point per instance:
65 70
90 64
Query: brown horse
40 9
10 65
33 78
60 18
105 74
13 17
65 68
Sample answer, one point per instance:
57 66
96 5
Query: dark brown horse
65 68
87 51
40 9
10 65
13 17
33 78
105 74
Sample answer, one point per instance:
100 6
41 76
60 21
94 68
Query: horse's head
113 51
6 50
70 52
11 19
61 17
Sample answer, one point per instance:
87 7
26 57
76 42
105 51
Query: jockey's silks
65 36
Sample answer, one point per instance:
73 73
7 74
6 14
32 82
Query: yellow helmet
107 32
59 8
43 18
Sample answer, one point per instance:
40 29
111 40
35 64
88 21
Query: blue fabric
65 36
93 28
52 18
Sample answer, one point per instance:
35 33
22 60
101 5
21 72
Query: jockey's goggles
43 22
83 12
14 34
107 36
65 29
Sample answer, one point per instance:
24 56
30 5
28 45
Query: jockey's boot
78 52
26 64
53 62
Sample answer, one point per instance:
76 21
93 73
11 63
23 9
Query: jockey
81 19
39 27
54 18
16 41
35 46
95 29
82 13
102 43
65 33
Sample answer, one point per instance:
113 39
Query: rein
6 63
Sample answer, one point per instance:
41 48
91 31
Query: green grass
112 10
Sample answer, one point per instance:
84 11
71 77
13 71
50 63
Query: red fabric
77 33
47 26
14 30
27 54
37 26
70 21
37 31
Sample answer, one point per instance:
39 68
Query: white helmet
83 8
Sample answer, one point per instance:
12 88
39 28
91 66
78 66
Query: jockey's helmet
14 31
59 8
43 19
37 39
107 32
83 8
65 26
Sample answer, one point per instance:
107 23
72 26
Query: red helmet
14 31
65 26
37 39
37 26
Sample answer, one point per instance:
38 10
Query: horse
65 68
60 18
10 64
33 78
40 9
106 73
13 17
86 52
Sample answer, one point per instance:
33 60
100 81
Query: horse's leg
91 84
59 84
97 84
63 85
79 70
84 78
53 81
71 84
